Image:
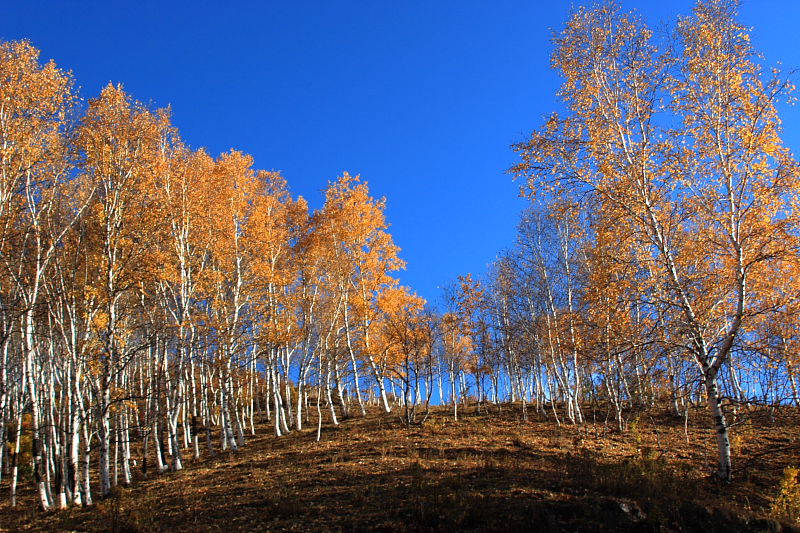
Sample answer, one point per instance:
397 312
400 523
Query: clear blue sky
421 98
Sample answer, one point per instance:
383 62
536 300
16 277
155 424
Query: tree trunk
721 428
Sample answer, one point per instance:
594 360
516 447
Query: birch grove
160 304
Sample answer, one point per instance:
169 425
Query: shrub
786 504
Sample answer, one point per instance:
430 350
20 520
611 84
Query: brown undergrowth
487 472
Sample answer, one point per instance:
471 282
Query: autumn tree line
658 261
159 303
660 257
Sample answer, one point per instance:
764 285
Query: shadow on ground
375 475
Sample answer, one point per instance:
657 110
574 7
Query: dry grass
490 472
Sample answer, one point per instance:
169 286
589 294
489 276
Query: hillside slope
487 472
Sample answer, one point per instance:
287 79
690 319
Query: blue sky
421 98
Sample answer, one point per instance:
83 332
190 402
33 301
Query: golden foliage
786 504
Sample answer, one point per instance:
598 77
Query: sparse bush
742 437
786 504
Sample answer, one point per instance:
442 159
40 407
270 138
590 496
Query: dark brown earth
486 472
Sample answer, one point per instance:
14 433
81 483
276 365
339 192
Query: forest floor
485 472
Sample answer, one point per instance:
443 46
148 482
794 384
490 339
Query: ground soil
488 471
